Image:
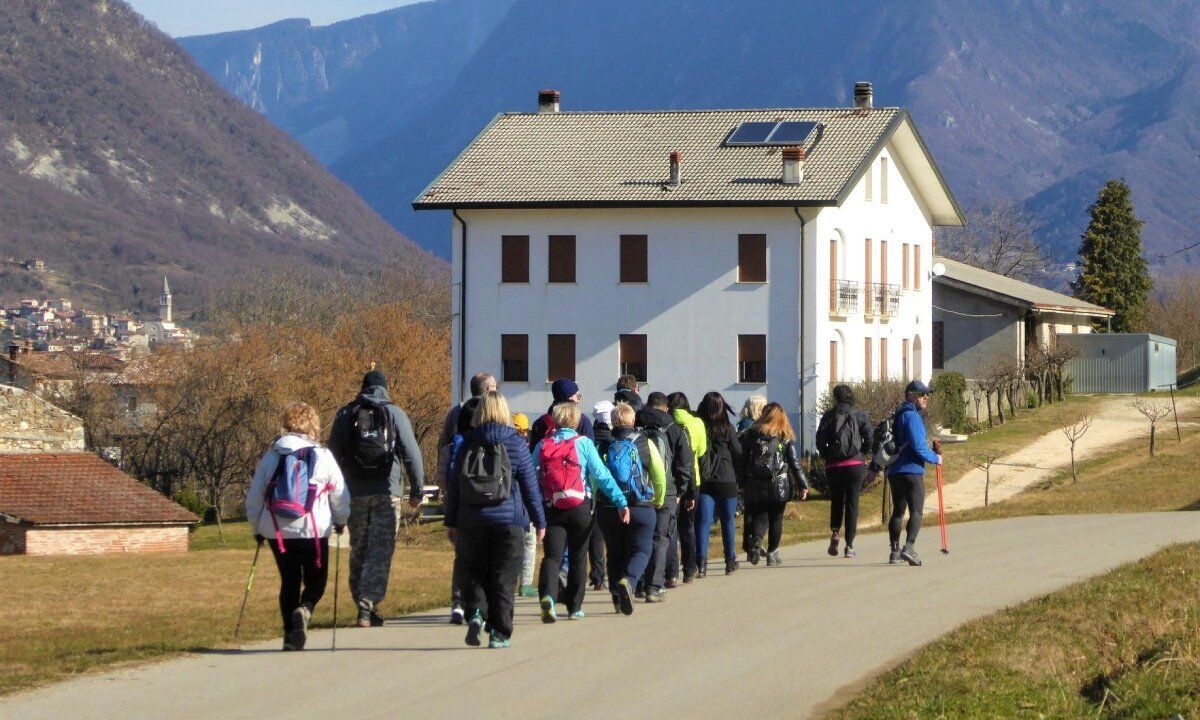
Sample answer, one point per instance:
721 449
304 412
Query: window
939 344
560 357
562 259
904 364
634 261
514 358
868 370
752 358
916 283
904 266
633 356
883 368
833 274
514 259
833 361
752 258
883 179
870 183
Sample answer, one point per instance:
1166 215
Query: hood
653 417
564 433
493 433
377 394
683 417
290 443
627 395
621 433
906 405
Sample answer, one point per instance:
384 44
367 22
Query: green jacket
698 436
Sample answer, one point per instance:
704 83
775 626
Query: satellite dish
937 270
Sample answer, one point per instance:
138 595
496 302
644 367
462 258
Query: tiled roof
1040 298
621 158
79 488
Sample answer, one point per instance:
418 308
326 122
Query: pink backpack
560 474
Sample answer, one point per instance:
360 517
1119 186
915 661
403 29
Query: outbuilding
1121 363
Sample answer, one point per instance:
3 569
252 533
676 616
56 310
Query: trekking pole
337 570
249 583
942 511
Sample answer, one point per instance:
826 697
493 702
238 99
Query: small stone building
74 503
30 424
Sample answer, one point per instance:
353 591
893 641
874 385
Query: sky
200 17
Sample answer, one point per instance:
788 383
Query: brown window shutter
634 259
560 357
633 357
752 358
916 267
514 259
883 262
883 365
867 369
833 361
752 258
904 366
514 358
939 344
904 266
562 259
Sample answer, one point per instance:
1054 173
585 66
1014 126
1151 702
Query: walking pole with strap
249 583
337 568
942 512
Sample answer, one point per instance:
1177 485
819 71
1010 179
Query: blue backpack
625 464
293 490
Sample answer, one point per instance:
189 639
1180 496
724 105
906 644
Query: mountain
121 161
1033 101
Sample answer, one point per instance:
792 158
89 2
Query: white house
698 250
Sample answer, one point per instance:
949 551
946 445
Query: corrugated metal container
1120 362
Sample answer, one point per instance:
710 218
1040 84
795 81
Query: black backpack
484 474
658 437
370 442
884 451
838 437
766 460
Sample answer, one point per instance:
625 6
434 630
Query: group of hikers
631 492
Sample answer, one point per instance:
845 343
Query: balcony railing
843 297
882 300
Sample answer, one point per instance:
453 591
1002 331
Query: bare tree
1001 239
1056 362
1074 428
984 459
993 382
977 397
1153 411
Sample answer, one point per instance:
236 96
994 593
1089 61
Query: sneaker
598 585
754 554
909 555
577 615
376 619
894 555
299 633
364 617
731 566
833 545
625 596
656 596
640 594
616 603
773 559
474 628
527 591
287 644
671 584
849 553
702 571
497 641
457 616
688 577
549 612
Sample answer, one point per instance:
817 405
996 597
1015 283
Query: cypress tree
1112 270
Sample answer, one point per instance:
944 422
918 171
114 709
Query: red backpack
560 474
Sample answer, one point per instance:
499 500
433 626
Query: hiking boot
702 570
299 633
287 644
670 584
364 617
549 612
578 615
497 641
849 553
833 545
640 594
474 628
894 556
625 596
376 619
457 616
656 596
616 601
731 566
688 577
909 555
773 559
754 554
597 585
527 591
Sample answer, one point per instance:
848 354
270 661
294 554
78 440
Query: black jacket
630 398
770 489
722 463
681 460
540 429
603 437
408 452
865 431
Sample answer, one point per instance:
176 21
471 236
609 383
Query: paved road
763 643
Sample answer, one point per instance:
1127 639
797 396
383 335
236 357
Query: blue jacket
910 437
522 505
595 472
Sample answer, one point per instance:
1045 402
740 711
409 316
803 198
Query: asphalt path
764 642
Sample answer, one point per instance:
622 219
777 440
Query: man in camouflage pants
372 514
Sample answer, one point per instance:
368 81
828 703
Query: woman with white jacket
296 498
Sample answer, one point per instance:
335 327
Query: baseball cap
917 388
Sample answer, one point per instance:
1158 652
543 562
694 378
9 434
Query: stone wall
30 424
12 539
101 540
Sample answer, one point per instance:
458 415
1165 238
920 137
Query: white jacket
332 506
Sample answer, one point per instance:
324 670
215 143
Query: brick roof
598 159
79 489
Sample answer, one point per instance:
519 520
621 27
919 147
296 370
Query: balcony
843 298
883 301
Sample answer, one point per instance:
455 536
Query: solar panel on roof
791 133
751 133
771 133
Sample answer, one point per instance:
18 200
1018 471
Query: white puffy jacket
332 506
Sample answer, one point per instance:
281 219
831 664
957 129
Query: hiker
681 411
570 474
772 471
563 390
602 427
480 383
371 439
525 587
637 469
627 392
302 513
491 497
676 452
843 436
458 578
906 473
751 409
719 487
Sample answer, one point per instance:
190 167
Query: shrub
878 398
818 481
948 405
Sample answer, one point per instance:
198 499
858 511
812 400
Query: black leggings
569 530
298 566
766 520
845 485
908 492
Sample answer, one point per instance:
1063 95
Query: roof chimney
864 97
674 178
548 101
793 165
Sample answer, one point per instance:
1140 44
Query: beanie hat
602 412
563 389
374 378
